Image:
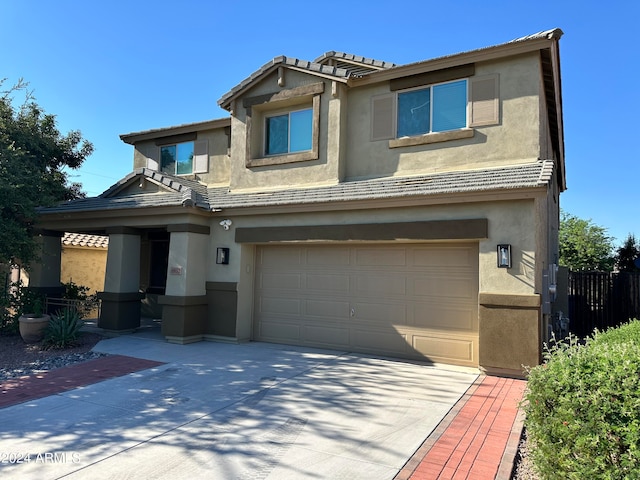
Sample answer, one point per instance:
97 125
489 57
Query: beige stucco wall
84 266
326 169
219 160
510 222
514 140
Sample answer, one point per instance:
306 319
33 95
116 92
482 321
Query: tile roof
184 192
344 67
84 240
503 178
317 68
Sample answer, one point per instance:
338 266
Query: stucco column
184 305
120 310
44 272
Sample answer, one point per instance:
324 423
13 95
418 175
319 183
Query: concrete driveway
218 411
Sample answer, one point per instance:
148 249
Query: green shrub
63 330
583 407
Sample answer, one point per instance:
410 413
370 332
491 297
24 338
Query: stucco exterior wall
246 143
84 266
514 140
217 147
510 222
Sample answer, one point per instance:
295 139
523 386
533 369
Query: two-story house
347 203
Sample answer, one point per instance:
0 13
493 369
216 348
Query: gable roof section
183 192
355 64
176 192
326 71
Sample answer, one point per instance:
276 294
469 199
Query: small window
437 108
289 132
177 159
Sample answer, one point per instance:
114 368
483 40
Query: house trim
476 228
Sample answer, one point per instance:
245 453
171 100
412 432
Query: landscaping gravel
18 359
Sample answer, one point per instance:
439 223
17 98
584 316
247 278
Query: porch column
184 305
120 310
44 272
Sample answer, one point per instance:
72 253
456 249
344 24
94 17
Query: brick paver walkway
24 389
478 440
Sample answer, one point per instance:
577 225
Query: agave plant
63 330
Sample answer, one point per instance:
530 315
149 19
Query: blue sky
120 66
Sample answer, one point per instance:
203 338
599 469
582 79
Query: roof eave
227 99
135 137
512 48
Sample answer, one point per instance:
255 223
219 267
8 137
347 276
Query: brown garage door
404 300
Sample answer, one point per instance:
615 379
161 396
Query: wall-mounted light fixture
504 255
222 256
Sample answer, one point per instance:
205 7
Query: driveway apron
249 411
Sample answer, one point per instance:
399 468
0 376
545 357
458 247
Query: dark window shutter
383 116
484 99
200 157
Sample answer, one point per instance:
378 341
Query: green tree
584 245
627 254
33 159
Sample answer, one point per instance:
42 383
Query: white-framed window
289 132
436 108
435 112
180 158
177 159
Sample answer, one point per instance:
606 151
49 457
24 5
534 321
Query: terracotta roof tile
84 240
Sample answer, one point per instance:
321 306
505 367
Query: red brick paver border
24 389
477 440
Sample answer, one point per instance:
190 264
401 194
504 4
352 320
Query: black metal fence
602 300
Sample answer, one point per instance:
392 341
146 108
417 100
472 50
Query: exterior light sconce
504 255
222 256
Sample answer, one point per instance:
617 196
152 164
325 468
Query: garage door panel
448 350
280 281
327 308
389 342
455 289
280 332
327 335
280 258
385 285
406 300
280 306
380 313
387 257
445 257
327 282
327 256
430 316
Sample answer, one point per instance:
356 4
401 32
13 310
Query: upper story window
177 159
418 112
437 108
289 132
283 127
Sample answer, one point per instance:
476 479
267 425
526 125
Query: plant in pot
33 321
